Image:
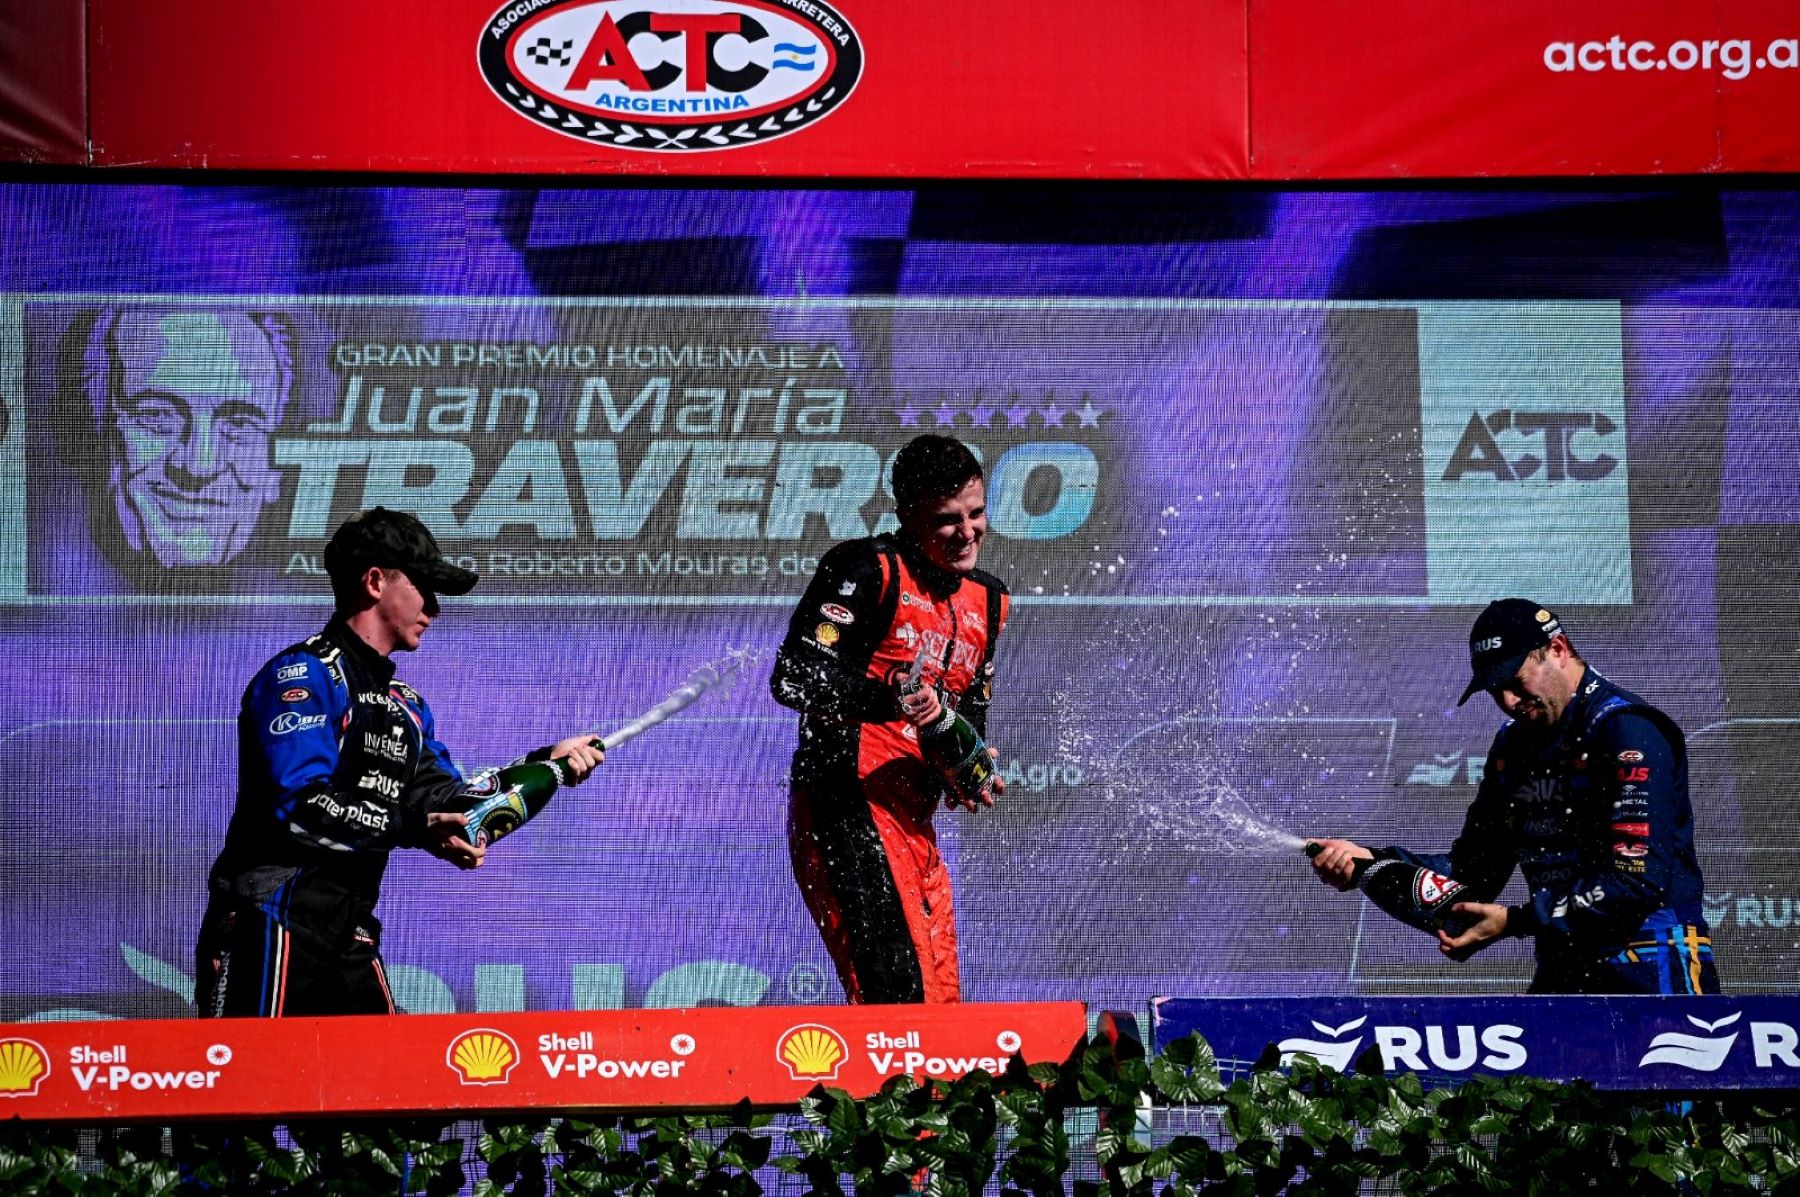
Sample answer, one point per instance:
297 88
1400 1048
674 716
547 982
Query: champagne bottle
956 750
960 754
1416 896
500 801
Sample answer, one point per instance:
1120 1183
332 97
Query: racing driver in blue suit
1586 792
339 763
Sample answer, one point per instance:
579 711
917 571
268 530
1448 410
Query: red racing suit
859 819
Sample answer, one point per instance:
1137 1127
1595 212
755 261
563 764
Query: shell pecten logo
482 1057
812 1052
23 1067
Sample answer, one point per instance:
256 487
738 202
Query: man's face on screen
195 399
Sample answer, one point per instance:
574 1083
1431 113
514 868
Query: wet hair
932 467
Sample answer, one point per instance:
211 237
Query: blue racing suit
338 763
1595 814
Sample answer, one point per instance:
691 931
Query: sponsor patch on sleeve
826 634
838 613
296 694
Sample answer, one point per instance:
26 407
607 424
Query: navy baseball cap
1503 636
395 540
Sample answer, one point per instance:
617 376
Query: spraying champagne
1416 896
503 800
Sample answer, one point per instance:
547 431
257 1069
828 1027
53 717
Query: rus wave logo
1337 1054
1697 1052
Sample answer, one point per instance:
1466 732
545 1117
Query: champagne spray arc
503 800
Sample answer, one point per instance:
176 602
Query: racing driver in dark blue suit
1586 792
338 763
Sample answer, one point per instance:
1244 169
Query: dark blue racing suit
1595 814
338 763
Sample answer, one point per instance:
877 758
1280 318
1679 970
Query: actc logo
1551 444
671 75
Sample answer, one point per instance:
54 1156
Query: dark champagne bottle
500 801
1416 896
956 750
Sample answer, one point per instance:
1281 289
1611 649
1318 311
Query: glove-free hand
444 831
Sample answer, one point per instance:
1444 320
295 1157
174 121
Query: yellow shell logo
23 1067
482 1057
812 1052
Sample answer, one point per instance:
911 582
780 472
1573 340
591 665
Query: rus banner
1661 1044
703 1058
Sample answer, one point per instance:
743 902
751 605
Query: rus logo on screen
671 77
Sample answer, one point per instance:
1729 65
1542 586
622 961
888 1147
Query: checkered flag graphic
545 52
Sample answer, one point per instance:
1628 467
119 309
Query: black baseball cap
395 540
1503 636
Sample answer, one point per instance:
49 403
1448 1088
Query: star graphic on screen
1053 413
982 414
1088 414
1017 414
908 415
945 415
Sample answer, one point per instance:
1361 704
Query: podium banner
701 1058
1660 1044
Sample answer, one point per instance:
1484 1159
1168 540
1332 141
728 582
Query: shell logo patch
482 1057
826 634
23 1067
811 1052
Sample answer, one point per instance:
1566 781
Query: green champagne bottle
952 745
504 800
956 750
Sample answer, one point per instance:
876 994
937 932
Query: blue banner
1656 1044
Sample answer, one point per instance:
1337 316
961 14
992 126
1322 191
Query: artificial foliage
1107 1120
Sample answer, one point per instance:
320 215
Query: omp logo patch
671 76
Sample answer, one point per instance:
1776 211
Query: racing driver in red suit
860 812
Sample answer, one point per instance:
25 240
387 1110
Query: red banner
1007 88
1216 89
618 1060
43 83
1414 88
